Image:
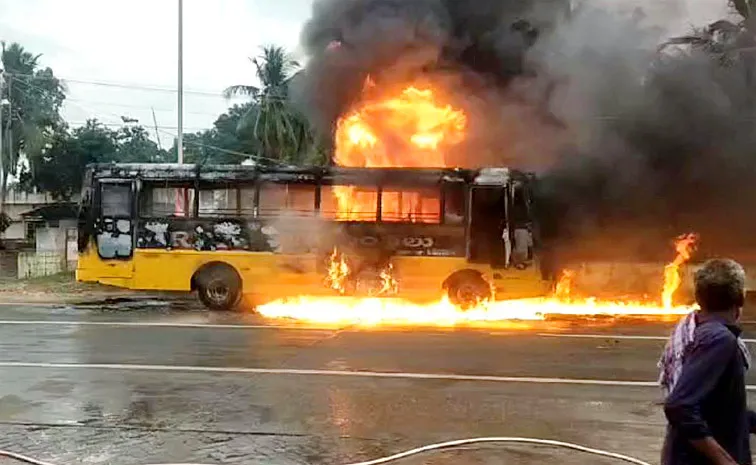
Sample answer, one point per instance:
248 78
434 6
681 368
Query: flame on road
395 312
374 312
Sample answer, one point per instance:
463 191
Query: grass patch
57 283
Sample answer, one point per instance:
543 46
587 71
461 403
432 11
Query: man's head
720 286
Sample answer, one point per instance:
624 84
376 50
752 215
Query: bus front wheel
467 289
219 287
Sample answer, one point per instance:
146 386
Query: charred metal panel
404 239
205 235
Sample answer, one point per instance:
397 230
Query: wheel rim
470 295
467 295
218 292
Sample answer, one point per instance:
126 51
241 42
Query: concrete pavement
71 403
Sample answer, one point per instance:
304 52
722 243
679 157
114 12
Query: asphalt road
151 385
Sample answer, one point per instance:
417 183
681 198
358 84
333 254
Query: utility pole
180 140
157 131
2 128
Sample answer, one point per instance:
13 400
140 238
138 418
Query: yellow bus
262 233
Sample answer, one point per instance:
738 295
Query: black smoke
634 146
472 49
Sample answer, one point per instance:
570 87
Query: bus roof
223 173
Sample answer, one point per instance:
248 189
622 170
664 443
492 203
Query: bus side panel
514 283
172 270
423 277
92 268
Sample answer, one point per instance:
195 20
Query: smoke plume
634 146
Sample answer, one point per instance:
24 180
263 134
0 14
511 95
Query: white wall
54 239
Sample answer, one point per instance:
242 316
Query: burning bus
272 233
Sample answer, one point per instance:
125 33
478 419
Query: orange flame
498 314
411 128
338 271
389 284
684 245
564 286
408 129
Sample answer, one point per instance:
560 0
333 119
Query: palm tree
725 40
279 128
35 97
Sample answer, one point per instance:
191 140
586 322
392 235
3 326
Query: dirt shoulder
64 289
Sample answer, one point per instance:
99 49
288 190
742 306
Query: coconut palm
281 131
725 39
35 96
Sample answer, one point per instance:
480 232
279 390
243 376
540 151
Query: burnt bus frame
202 177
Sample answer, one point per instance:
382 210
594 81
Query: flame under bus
271 233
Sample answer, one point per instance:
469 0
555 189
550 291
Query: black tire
219 287
467 289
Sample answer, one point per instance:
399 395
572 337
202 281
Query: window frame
416 189
102 184
234 189
260 198
376 187
192 206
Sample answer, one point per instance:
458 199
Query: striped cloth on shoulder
671 361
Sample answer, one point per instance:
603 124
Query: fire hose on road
421 450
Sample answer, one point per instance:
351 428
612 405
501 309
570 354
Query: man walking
703 374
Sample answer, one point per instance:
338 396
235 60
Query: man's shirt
709 399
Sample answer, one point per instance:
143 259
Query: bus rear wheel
467 289
219 287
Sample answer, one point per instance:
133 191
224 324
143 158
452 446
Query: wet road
154 385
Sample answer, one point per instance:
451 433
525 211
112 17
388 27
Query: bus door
115 223
487 224
521 226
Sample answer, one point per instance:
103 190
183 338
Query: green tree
32 116
60 167
135 146
230 141
280 130
725 40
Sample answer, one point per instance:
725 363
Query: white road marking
336 373
159 324
616 336
314 372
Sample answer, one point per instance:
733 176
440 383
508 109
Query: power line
136 107
82 123
125 85
222 150
189 142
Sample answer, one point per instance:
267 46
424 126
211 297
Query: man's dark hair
719 285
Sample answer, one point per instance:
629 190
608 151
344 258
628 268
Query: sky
107 49
133 43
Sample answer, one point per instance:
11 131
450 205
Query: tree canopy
60 166
31 116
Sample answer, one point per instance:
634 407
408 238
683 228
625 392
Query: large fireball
410 128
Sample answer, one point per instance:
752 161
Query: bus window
247 201
158 202
116 200
349 203
287 199
520 215
217 203
415 206
454 204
